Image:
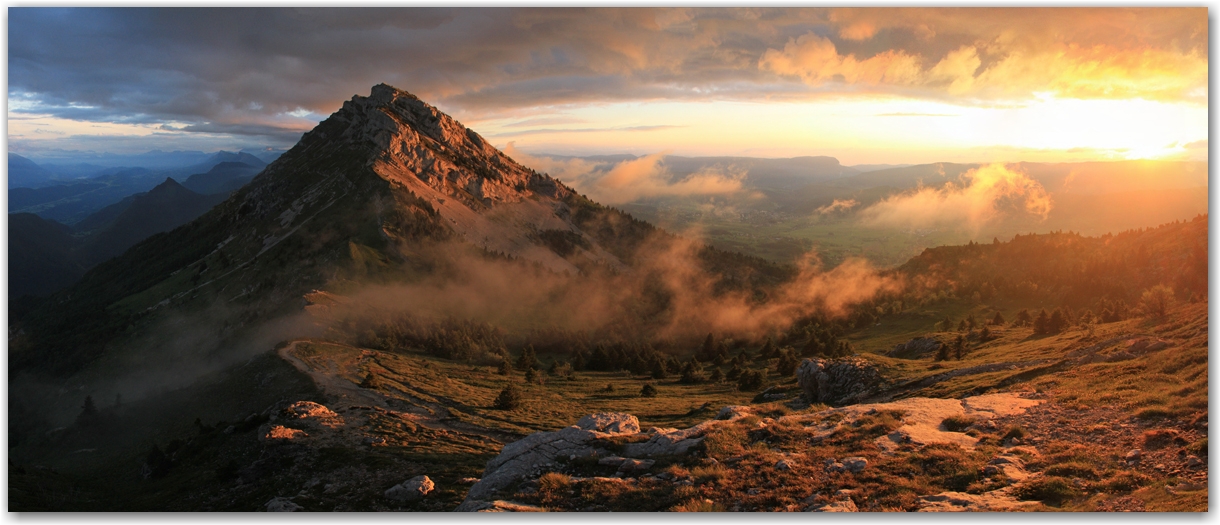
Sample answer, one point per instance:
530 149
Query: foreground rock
593 436
413 489
545 451
837 382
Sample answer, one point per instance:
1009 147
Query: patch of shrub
1124 481
1015 431
1159 438
1198 448
1051 489
648 391
553 486
698 505
1072 470
957 423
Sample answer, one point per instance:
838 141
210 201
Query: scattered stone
783 465
1193 462
1133 456
845 505
855 464
282 504
732 412
504 506
230 429
835 466
412 489
373 441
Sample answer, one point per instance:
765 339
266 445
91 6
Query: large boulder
412 489
838 382
542 450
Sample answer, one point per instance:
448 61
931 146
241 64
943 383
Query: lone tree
786 366
509 398
998 320
1023 318
532 376
768 350
692 373
505 368
648 391
717 376
528 359
1157 300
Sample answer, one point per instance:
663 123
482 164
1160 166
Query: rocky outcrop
313 414
915 348
282 504
837 382
413 489
543 450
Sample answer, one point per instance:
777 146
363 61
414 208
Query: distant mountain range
45 256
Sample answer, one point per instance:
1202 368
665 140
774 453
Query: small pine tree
609 388
1024 318
528 358
707 352
1042 323
692 373
962 326
531 376
942 353
959 347
659 370
734 373
89 409
505 368
648 391
945 325
998 320
509 398
1057 322
786 365
717 376
750 380
768 349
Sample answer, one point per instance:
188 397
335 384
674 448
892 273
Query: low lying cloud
631 180
984 194
667 294
837 206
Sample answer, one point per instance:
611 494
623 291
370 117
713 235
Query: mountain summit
353 200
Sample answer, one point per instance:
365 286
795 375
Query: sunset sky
864 85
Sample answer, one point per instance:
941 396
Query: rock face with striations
544 451
837 382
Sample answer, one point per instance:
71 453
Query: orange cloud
630 180
815 59
985 194
1156 54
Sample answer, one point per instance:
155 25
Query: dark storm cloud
243 70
